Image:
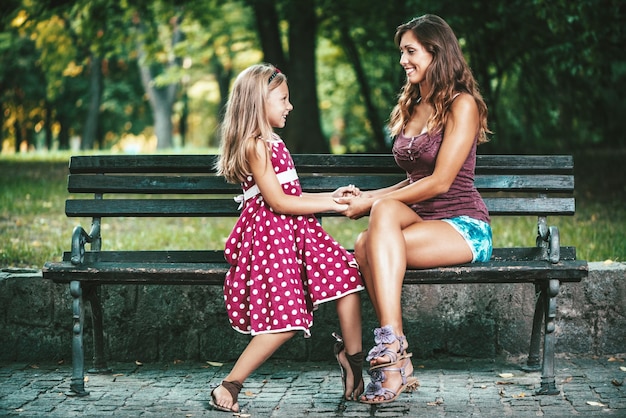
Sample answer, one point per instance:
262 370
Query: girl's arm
272 191
460 132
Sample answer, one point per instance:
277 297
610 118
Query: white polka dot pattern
282 266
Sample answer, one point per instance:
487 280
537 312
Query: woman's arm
460 132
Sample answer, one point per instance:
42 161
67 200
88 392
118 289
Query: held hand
347 191
357 206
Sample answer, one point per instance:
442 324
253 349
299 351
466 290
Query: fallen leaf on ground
617 382
594 403
504 383
521 395
621 360
138 363
215 363
505 375
622 368
567 379
249 393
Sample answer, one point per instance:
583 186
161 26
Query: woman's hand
357 206
347 191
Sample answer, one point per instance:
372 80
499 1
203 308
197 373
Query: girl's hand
347 191
357 206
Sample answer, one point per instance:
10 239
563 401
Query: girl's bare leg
259 349
349 313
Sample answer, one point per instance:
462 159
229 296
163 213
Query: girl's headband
274 74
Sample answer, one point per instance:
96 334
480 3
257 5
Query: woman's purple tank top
417 156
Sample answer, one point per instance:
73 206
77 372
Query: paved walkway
449 387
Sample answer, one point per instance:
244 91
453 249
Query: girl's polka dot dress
282 266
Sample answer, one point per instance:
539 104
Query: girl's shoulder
274 139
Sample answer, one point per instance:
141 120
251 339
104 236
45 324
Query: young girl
283 264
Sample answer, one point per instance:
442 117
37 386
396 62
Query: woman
435 217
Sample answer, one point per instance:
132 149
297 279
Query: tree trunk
161 98
48 126
269 34
303 133
372 114
90 130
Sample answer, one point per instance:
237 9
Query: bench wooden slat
151 207
311 163
209 184
217 256
228 207
503 206
185 184
142 272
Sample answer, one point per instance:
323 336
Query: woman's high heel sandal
383 337
375 389
355 361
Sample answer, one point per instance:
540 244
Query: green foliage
552 72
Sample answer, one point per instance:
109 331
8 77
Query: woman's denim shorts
476 233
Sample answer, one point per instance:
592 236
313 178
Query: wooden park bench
186 186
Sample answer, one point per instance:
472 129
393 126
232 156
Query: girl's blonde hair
245 119
447 74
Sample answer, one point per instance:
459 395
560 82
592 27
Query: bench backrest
510 184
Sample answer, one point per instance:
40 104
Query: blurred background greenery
147 75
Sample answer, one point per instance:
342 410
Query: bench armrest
79 238
549 238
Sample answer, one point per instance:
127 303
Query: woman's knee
391 213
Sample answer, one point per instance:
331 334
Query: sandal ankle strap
233 387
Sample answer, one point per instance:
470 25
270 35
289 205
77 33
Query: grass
34 228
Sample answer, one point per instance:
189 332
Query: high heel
355 361
379 376
383 337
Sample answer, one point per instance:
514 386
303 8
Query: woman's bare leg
398 238
259 349
360 253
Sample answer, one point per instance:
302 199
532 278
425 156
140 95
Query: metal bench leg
77 386
533 364
99 361
548 384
